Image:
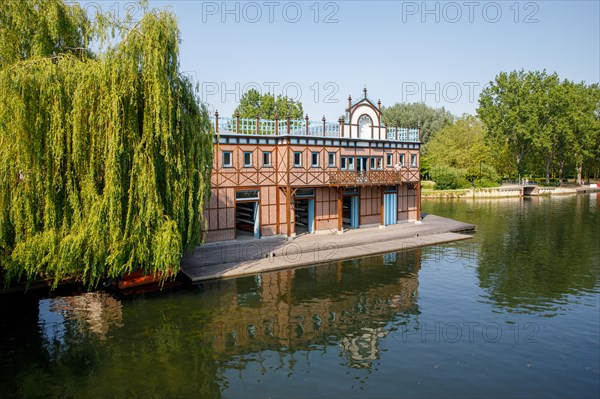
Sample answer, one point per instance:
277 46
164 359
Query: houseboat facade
290 177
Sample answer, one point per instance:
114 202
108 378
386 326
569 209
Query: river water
514 312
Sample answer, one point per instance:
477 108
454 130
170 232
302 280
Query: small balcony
372 177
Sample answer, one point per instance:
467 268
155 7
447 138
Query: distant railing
297 127
523 182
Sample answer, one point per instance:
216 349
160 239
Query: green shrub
427 185
449 178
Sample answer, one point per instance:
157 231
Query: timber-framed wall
276 159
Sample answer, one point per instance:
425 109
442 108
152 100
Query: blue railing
402 134
297 127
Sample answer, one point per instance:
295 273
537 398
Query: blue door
354 219
390 209
311 216
256 220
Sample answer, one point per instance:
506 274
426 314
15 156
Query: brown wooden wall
326 217
282 158
407 203
370 205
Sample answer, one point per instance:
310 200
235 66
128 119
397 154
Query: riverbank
504 192
236 258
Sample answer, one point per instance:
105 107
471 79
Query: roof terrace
306 127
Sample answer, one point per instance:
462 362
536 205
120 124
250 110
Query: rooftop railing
298 127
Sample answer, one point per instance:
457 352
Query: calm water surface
513 312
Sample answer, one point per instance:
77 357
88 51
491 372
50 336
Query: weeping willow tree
105 155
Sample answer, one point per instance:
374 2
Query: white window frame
350 163
389 159
248 164
329 156
230 163
299 163
266 164
312 159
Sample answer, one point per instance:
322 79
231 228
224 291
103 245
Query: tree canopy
106 157
429 119
539 119
266 106
458 154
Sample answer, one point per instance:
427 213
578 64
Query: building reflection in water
347 304
61 319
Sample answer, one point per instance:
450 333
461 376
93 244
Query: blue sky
441 53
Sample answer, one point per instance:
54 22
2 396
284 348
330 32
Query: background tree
429 119
543 123
106 157
266 106
459 154
508 108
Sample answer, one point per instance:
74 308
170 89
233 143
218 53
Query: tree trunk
561 171
579 182
548 170
518 169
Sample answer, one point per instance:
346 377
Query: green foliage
106 158
542 123
266 106
448 178
41 28
429 119
459 153
427 185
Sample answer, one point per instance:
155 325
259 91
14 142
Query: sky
442 53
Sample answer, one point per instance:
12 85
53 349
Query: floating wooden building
289 177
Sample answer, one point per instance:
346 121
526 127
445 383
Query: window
266 158
350 163
344 163
247 159
365 127
227 159
297 159
331 159
376 163
314 159
389 160
413 161
246 195
401 160
305 192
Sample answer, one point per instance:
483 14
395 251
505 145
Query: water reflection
345 302
532 253
65 318
362 327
